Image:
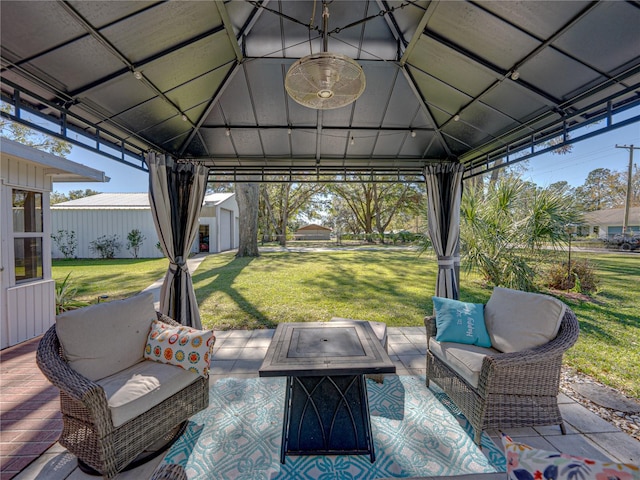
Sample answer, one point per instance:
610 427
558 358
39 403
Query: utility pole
627 202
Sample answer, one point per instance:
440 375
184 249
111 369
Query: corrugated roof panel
103 200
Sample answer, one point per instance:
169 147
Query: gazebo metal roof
446 80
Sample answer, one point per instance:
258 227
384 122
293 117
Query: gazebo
195 89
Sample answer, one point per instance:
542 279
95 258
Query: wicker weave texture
88 431
515 389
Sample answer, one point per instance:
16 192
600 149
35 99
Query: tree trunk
248 195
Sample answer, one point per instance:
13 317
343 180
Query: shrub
106 246
66 242
135 239
582 279
65 296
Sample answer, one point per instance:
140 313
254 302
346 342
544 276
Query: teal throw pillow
460 322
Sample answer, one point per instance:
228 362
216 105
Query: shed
312 232
607 223
119 213
219 228
27 291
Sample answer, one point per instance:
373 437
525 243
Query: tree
561 186
219 187
27 136
76 194
57 197
601 189
135 239
374 205
504 228
283 201
247 196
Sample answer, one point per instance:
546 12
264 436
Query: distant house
27 290
312 232
607 223
120 213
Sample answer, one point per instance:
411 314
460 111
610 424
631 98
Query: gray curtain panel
176 193
444 192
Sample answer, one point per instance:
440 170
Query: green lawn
117 278
390 286
394 286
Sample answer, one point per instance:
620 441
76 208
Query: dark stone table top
325 349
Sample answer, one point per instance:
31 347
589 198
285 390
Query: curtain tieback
446 262
178 264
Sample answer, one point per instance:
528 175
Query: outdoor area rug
417 432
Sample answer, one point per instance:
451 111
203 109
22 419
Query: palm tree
505 227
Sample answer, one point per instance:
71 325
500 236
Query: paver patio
31 421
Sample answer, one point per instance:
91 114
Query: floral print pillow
182 346
527 463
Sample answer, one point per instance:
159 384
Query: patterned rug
417 432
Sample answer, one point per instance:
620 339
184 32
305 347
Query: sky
587 155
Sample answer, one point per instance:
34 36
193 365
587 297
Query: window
27 235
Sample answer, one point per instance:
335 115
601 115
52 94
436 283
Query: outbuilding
27 291
312 231
109 214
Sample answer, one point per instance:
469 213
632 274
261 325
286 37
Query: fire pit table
326 410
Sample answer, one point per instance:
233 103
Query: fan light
325 80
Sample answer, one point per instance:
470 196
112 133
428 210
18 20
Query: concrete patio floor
30 416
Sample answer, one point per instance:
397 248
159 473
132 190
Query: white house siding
24 175
28 309
92 223
226 227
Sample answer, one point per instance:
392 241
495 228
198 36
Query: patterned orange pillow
182 346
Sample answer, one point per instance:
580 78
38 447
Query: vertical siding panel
28 318
12 325
23 311
31 310
89 224
38 312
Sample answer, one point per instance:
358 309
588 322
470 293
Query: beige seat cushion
141 387
106 338
465 360
519 320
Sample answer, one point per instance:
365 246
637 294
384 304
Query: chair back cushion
106 338
519 320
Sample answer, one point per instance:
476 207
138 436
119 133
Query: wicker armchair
515 389
88 431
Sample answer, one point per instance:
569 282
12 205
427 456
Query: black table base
326 415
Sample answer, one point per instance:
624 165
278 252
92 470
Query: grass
117 278
390 285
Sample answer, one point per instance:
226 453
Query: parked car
625 241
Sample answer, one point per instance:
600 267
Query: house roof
313 226
612 216
213 199
102 201
474 81
58 168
